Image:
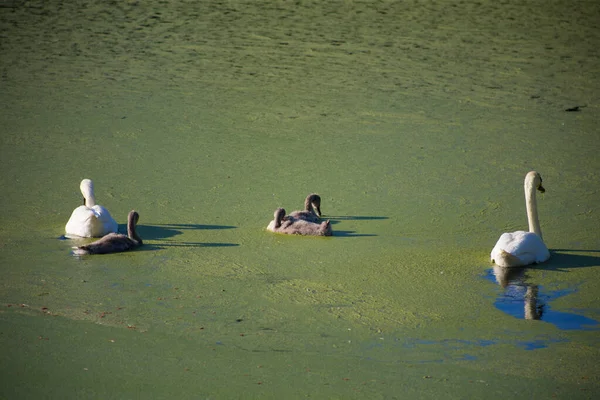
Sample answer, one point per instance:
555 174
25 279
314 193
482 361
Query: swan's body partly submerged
90 219
293 226
114 242
312 209
520 248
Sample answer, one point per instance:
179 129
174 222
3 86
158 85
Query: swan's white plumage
90 220
521 248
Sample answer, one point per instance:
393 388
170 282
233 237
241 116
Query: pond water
416 122
527 300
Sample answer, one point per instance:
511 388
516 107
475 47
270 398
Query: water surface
415 122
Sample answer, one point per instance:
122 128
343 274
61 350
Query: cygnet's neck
311 204
131 232
531 204
278 217
308 204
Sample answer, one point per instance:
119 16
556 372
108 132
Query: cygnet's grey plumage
114 242
312 209
291 226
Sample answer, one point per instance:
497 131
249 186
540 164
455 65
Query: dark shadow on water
350 234
195 226
159 232
351 218
334 220
577 250
526 300
164 231
161 246
564 259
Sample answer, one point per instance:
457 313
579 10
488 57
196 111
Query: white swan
90 219
520 248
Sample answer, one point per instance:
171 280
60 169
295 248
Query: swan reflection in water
532 309
526 300
515 289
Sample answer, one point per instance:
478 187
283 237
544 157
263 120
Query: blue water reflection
525 300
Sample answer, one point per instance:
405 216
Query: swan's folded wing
81 222
105 223
526 246
531 248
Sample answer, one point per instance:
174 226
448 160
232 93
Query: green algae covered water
415 122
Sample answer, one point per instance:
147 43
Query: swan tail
505 259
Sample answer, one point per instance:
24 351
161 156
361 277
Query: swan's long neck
131 232
87 190
532 213
89 200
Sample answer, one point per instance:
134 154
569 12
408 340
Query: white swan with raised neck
90 219
521 248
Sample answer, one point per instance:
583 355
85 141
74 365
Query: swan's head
534 179
313 201
87 190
